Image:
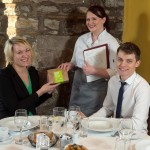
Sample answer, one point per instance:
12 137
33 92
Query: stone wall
52 27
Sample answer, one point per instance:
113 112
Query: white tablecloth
94 141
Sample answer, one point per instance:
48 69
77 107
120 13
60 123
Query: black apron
88 95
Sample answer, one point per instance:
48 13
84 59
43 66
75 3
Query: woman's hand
66 66
88 69
47 88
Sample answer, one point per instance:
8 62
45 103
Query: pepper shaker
65 139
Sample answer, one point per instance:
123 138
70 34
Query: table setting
66 130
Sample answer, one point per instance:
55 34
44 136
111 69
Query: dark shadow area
3 33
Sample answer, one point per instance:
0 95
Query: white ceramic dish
98 124
138 135
4 139
7 140
143 145
9 122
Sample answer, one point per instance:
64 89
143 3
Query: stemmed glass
20 120
126 133
74 116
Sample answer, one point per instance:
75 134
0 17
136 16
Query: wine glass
126 132
20 120
74 116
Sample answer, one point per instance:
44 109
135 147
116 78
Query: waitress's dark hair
100 12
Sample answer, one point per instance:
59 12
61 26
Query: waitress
90 95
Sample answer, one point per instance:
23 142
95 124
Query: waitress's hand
88 69
66 66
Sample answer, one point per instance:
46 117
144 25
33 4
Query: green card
58 76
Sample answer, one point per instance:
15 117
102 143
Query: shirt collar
130 79
89 37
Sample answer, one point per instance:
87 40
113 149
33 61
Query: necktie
120 98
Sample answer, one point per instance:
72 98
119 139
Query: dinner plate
138 135
98 124
7 140
9 122
143 145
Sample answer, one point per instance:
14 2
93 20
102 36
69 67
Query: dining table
96 139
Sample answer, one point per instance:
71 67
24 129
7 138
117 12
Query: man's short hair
130 48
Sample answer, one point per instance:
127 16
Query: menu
98 57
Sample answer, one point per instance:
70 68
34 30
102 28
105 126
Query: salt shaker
65 139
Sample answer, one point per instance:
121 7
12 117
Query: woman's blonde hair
8 50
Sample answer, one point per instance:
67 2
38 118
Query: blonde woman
19 81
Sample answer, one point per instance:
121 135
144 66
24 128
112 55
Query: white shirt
136 101
85 42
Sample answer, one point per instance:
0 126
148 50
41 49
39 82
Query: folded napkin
102 143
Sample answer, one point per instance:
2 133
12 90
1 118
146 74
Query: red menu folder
98 57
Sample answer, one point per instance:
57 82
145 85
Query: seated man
132 100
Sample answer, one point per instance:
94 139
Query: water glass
84 127
20 120
44 125
126 133
59 111
59 120
74 117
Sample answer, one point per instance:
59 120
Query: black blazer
14 95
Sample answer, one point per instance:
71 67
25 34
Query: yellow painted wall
137 30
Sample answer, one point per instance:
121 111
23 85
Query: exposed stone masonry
52 27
